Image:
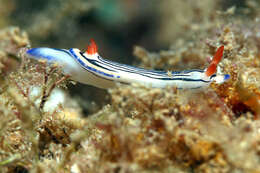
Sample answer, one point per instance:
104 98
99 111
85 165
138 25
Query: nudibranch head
61 57
48 54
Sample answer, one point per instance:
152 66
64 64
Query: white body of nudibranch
89 68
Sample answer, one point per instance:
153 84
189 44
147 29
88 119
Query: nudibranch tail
214 63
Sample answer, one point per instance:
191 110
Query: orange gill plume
216 59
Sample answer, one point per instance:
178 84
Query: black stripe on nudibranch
144 72
114 67
159 75
93 62
88 67
129 68
117 67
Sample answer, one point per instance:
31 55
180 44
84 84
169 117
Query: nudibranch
90 68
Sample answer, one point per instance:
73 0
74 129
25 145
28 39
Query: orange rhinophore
214 63
92 48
